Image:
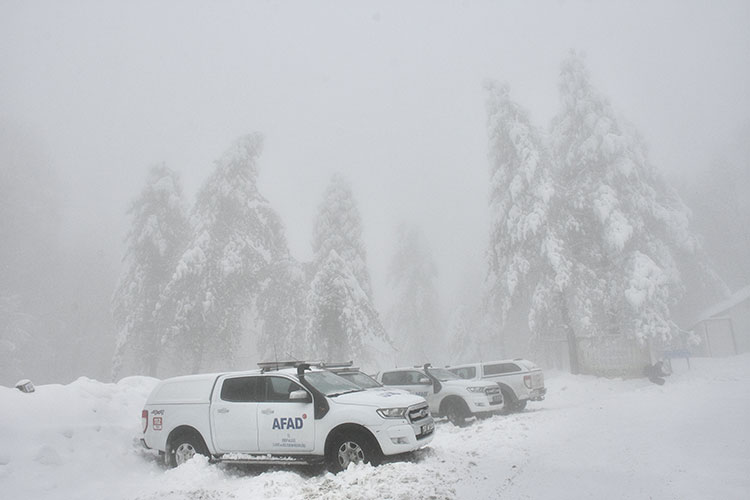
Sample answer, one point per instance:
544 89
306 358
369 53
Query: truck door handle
267 411
222 410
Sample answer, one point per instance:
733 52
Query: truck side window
500 368
467 372
412 378
242 389
279 388
392 378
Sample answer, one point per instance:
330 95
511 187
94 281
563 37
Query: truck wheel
520 404
183 447
351 447
509 401
456 413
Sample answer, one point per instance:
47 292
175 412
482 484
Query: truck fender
353 428
453 399
508 392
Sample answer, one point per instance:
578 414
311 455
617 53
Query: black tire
351 447
520 404
509 401
456 412
184 446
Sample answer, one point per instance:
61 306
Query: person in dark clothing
656 372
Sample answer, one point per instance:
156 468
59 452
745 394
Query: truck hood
378 398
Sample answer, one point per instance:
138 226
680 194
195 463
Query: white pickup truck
283 413
447 394
520 380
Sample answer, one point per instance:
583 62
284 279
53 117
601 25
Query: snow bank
592 438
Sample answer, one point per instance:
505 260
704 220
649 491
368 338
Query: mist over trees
194 294
585 228
28 230
236 235
158 235
343 322
414 317
55 322
586 240
720 205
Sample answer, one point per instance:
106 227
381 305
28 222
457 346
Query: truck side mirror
300 395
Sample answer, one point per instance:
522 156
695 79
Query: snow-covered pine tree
338 227
282 309
617 228
236 236
158 233
413 318
343 323
343 320
521 191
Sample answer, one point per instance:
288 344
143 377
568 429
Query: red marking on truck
157 423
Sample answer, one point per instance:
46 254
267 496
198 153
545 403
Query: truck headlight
392 412
476 389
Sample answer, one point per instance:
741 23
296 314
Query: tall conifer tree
236 236
343 321
414 318
521 193
158 233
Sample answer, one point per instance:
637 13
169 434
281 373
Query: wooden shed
724 328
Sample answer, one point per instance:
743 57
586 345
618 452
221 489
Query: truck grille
491 391
417 413
494 395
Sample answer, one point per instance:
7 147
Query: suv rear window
498 368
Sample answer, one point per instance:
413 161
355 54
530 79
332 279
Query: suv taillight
527 381
144 420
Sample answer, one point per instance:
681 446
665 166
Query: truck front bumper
405 437
538 394
481 403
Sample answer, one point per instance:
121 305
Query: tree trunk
570 335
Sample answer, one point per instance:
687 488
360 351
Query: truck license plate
497 399
427 428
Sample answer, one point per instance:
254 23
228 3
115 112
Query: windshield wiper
343 392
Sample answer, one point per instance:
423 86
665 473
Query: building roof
737 297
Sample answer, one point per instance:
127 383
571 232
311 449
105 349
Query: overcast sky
388 93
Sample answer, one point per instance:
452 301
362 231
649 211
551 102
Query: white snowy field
592 438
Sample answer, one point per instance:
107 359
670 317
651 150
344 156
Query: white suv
283 413
520 380
447 394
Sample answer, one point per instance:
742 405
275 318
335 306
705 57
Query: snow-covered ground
592 438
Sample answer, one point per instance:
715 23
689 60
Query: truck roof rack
278 365
324 364
267 366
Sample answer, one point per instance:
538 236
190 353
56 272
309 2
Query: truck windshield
442 374
331 384
361 380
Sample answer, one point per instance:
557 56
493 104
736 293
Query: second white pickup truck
520 380
447 394
283 413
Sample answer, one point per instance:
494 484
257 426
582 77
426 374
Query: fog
390 94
